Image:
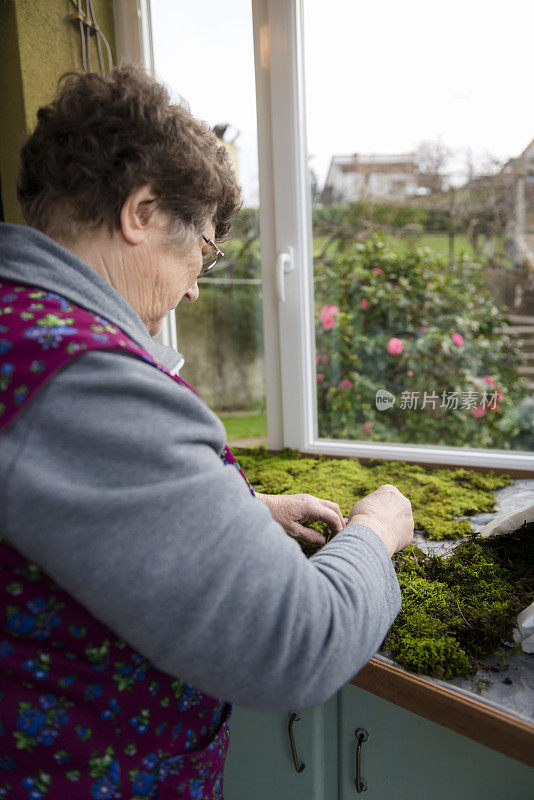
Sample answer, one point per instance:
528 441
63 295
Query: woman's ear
136 215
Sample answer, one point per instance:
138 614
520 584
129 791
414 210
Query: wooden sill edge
468 716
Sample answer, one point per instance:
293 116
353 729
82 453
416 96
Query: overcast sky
380 77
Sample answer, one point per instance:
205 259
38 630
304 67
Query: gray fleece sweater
111 481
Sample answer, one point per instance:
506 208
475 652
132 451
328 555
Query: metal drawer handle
294 717
362 736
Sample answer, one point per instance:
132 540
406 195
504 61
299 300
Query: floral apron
82 715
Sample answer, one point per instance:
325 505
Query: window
221 335
399 113
387 349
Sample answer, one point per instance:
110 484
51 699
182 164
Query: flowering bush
412 325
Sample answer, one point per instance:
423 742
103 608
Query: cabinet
405 756
260 764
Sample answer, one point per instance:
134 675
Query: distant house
377 177
523 164
519 173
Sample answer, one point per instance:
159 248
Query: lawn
244 425
438 242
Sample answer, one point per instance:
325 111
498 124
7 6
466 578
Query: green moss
437 495
458 610
455 610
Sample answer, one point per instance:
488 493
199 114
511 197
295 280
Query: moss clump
437 495
457 610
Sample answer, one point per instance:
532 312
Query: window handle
284 264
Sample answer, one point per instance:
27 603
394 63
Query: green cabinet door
407 757
260 765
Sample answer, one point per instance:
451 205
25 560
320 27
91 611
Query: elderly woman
144 587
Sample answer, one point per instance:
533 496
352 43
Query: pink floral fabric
82 715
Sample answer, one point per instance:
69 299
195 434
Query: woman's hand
291 510
388 513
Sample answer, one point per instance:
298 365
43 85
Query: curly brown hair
101 138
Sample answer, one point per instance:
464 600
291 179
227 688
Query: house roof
371 162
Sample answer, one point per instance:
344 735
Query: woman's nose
192 293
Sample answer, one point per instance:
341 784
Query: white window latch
284 264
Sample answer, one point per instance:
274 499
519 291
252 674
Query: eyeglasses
210 259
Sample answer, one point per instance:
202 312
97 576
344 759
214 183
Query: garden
393 315
424 331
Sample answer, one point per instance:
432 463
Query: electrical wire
95 32
89 27
80 17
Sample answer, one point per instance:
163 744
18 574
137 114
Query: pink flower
365 304
326 315
316 360
367 427
345 384
490 380
328 311
478 411
458 339
409 373
325 359
320 378
395 346
422 329
328 322
378 271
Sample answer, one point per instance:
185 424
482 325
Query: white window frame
286 238
285 227
133 42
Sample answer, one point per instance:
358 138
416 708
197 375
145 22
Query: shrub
392 216
411 324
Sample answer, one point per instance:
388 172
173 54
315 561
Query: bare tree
482 208
431 159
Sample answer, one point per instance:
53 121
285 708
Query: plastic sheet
525 629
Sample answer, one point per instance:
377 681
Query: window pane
422 183
220 335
